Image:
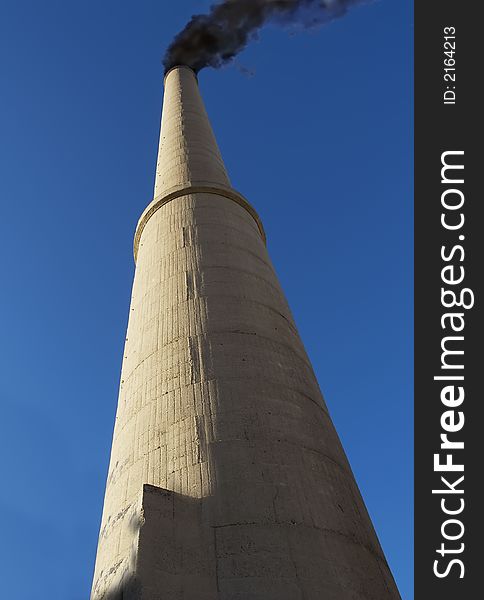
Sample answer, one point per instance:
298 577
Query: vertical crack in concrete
201 439
194 360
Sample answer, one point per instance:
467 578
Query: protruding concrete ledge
195 188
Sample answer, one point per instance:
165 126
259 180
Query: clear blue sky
319 140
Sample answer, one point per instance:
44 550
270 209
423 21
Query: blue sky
319 140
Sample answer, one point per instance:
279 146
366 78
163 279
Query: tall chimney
227 480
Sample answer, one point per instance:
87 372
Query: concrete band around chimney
202 188
180 67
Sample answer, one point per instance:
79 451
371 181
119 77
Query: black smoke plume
214 39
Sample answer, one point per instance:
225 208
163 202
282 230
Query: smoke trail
214 39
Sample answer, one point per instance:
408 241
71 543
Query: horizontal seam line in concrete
351 538
127 465
223 192
202 225
272 383
263 337
219 267
219 242
201 211
297 445
199 296
125 380
224 331
211 243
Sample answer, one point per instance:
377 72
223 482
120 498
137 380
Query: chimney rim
179 67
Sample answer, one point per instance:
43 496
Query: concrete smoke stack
189 158
188 152
227 480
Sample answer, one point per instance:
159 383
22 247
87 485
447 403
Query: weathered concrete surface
227 480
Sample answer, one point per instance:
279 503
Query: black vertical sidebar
449 268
